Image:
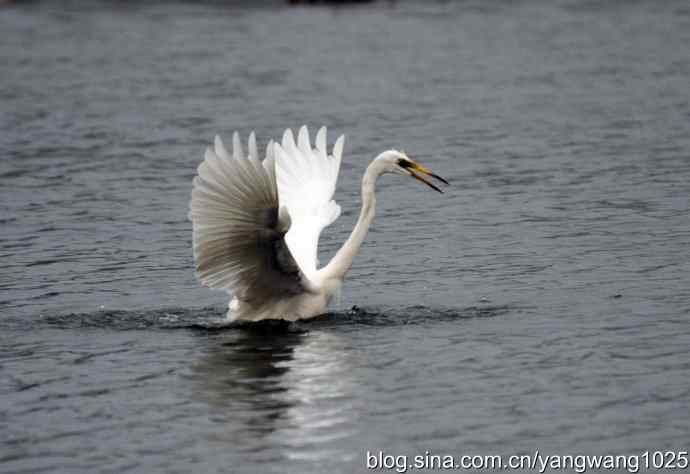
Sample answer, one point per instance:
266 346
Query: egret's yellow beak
421 169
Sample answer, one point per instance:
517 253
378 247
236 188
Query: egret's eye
403 163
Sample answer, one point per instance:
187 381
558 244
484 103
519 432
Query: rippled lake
542 302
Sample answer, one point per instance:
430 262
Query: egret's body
257 223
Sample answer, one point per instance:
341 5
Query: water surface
541 303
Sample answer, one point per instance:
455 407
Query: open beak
421 169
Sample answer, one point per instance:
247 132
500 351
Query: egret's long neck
341 263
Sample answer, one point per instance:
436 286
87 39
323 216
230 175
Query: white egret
257 223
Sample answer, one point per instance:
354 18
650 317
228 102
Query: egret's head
398 162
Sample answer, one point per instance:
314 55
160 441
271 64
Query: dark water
541 303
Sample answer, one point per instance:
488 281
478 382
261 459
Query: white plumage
306 179
256 223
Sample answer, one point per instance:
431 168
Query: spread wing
238 235
256 224
306 179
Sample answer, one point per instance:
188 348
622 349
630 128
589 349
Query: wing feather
306 180
253 153
321 141
238 236
237 146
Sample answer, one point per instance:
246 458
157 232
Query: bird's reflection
286 391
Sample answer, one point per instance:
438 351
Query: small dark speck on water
487 320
